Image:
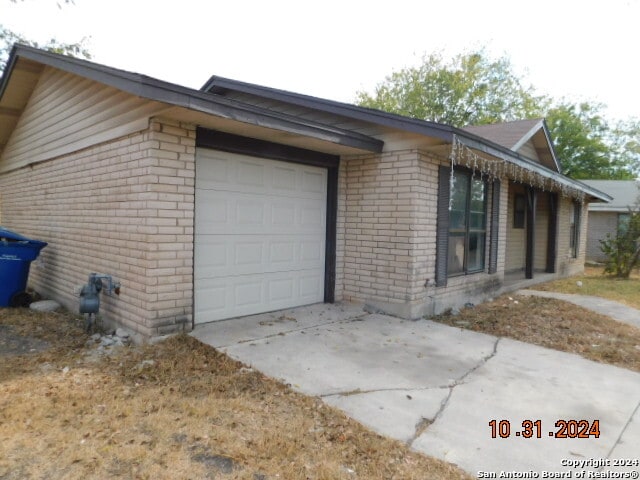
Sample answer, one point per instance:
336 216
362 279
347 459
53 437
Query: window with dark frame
467 223
519 210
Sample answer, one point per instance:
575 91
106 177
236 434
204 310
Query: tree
587 145
8 38
623 249
473 89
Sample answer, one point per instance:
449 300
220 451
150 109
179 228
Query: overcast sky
584 49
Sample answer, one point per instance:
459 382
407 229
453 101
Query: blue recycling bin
16 254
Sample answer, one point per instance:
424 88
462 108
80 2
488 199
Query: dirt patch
554 324
12 343
179 409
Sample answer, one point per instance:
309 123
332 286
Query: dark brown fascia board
444 132
218 85
552 147
161 91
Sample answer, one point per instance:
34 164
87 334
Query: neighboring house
239 199
608 218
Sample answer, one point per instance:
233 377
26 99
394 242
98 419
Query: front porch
516 280
532 233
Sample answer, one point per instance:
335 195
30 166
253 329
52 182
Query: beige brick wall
386 251
340 231
125 208
387 217
567 265
378 205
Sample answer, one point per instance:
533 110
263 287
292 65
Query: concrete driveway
437 388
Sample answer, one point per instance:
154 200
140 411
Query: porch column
531 230
552 233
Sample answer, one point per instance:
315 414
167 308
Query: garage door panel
284 179
282 252
281 290
218 298
217 171
250 173
260 235
240 173
309 286
312 217
315 182
249 253
250 212
224 213
311 250
246 255
283 214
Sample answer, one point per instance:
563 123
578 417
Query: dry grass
595 282
179 409
554 324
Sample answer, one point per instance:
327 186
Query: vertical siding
515 256
529 150
600 223
66 113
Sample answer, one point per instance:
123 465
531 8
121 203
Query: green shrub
623 249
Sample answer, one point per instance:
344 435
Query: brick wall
339 292
379 197
387 216
567 265
125 208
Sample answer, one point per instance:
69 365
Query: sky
580 50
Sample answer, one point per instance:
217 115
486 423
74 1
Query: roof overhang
26 63
445 133
603 207
492 152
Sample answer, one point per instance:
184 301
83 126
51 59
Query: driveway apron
438 388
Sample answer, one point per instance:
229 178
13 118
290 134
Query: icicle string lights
492 169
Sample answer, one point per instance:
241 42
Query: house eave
175 95
482 145
218 85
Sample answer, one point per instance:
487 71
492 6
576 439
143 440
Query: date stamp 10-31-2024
569 468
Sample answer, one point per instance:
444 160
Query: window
467 224
574 229
519 210
623 223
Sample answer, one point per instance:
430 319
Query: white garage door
260 231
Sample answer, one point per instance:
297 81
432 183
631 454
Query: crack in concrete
482 362
357 318
359 391
425 423
624 429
